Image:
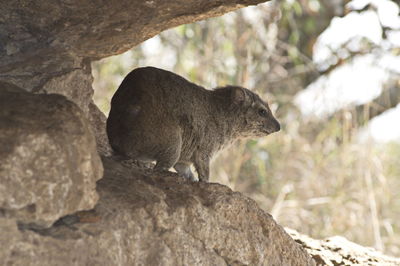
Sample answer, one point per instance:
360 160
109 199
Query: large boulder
144 218
48 159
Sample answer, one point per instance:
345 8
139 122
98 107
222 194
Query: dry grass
321 187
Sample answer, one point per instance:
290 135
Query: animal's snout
274 126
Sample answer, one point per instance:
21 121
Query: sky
364 77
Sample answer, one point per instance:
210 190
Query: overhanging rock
48 43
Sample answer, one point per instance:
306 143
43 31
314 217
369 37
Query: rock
95 30
48 159
147 219
98 121
76 85
339 251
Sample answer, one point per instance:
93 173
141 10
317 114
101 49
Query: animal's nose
277 126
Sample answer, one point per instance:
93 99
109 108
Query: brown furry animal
159 116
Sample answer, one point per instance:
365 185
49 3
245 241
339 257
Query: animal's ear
239 95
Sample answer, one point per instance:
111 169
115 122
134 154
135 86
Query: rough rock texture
339 251
48 159
48 162
157 220
49 45
147 219
98 123
75 85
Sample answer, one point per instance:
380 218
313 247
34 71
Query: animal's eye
262 112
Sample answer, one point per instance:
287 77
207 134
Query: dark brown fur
159 116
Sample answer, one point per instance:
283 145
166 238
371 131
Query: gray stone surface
48 159
340 251
98 123
147 219
75 85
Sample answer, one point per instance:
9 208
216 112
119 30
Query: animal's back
152 103
157 88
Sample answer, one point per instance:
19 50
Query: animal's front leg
183 170
202 165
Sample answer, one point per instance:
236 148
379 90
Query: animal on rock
159 116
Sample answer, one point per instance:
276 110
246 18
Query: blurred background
330 70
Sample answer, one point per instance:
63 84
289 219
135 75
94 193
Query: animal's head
256 118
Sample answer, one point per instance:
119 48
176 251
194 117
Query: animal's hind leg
169 153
